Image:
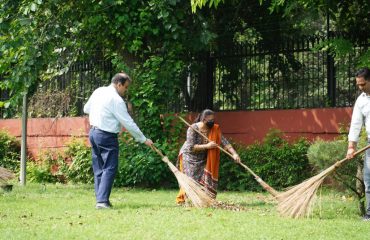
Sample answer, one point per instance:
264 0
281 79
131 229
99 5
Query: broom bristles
6 174
298 200
194 191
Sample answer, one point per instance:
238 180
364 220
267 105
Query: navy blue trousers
104 162
367 180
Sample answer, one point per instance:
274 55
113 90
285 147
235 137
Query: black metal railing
66 94
283 75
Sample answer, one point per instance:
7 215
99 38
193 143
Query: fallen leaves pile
228 206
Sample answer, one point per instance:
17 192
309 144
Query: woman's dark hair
363 72
203 114
120 78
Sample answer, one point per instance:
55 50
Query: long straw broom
298 200
265 186
5 174
194 191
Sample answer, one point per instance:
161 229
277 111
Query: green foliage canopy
40 39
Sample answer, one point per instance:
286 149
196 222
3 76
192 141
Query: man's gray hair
120 78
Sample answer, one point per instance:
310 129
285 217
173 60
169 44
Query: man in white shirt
107 114
361 116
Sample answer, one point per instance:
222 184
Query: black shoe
110 204
102 205
366 218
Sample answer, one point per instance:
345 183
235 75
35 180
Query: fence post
80 68
330 68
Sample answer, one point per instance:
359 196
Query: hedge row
276 161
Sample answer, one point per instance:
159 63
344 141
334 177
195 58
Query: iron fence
66 94
285 74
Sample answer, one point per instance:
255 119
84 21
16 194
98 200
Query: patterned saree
209 171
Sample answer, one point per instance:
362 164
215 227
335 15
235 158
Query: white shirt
107 111
360 115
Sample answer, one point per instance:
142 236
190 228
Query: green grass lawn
67 212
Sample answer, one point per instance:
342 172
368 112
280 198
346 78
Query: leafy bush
41 171
140 166
322 154
10 149
277 162
75 165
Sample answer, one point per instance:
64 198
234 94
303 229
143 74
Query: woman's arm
194 140
203 147
226 145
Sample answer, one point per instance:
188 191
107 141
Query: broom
5 175
265 186
194 191
298 200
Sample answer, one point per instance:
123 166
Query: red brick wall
250 126
47 133
243 126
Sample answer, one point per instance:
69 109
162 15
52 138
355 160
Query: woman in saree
200 158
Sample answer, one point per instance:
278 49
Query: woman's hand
211 145
236 158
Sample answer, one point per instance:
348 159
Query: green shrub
322 154
73 165
277 162
140 166
41 171
10 149
76 164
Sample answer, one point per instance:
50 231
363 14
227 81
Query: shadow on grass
135 206
257 204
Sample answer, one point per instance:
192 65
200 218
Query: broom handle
354 155
361 150
157 151
164 158
244 166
